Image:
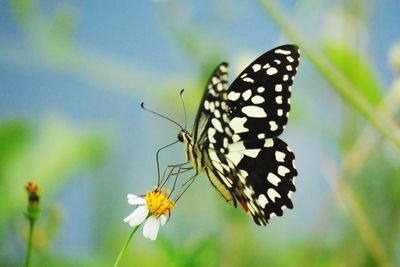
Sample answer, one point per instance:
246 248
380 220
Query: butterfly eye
180 136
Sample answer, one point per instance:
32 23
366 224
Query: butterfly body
192 151
235 137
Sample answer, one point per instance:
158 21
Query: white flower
157 205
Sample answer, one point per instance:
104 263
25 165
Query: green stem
336 79
122 252
29 243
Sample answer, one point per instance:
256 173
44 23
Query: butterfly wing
259 104
212 133
211 126
265 174
237 130
259 99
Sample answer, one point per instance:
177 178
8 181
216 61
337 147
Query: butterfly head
184 136
191 150
180 135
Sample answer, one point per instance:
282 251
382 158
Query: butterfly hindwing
266 175
259 98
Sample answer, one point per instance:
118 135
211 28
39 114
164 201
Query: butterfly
235 134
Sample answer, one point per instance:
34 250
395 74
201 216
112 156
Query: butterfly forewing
211 127
259 98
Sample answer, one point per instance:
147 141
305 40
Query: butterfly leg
186 186
176 174
171 171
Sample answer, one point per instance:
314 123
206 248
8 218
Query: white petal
163 219
151 226
138 216
135 200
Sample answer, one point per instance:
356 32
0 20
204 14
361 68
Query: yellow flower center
158 202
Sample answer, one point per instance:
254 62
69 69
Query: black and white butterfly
235 134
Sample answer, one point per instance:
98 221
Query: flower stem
29 243
122 252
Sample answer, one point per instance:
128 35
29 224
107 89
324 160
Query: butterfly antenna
162 116
183 105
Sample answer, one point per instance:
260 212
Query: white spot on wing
217 124
257 99
206 105
246 95
256 67
213 156
236 147
248 79
235 157
235 138
237 125
278 99
260 89
282 170
282 51
262 200
269 142
272 194
261 136
285 77
273 179
272 71
280 156
273 126
233 96
225 143
212 106
243 173
254 111
253 153
289 58
280 112
211 132
278 88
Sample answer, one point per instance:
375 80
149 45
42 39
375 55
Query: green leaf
356 69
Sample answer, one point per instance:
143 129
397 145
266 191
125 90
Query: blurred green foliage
47 155
366 183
